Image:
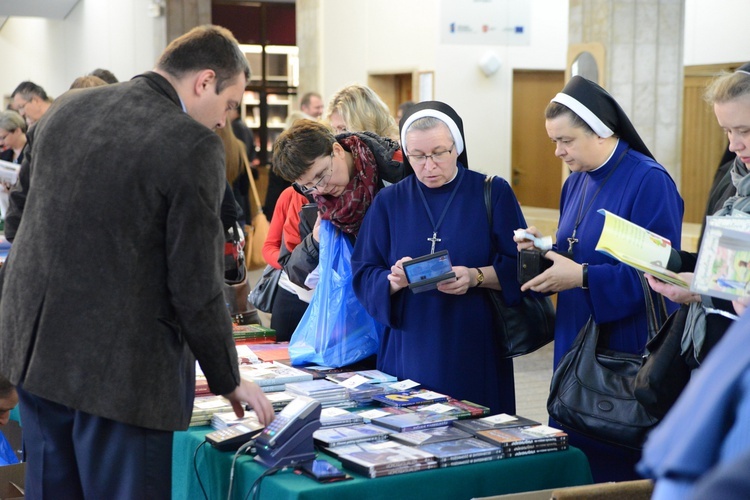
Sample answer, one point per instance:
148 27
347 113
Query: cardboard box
12 481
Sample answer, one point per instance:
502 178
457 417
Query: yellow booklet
637 247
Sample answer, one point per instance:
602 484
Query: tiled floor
533 373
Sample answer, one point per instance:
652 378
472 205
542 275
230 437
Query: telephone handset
289 437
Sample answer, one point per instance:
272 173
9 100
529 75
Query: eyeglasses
321 182
439 157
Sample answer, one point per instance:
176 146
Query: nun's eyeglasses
439 157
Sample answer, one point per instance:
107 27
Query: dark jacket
114 280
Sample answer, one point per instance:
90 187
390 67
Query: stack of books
340 436
430 436
338 417
410 398
205 406
372 413
518 441
328 393
463 451
388 460
253 334
454 408
413 421
229 419
500 421
273 376
279 400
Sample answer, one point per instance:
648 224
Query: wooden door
703 142
535 171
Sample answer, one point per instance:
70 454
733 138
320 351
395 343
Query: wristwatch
480 276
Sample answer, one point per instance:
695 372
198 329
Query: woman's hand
673 292
397 278
523 243
563 275
458 285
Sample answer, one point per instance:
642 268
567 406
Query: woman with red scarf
343 173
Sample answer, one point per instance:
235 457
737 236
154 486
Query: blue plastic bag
335 330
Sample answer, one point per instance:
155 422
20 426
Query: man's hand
249 392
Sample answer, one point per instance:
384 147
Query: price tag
500 419
404 385
354 381
437 408
370 414
429 395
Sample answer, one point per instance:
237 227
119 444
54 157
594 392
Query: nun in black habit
441 338
611 169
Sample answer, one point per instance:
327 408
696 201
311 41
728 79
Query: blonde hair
728 87
363 111
234 150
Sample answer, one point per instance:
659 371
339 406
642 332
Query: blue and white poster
485 22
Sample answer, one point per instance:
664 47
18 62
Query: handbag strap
253 189
488 206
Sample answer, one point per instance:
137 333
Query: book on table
637 247
463 451
389 459
429 436
413 421
339 436
500 421
273 373
338 417
410 398
516 441
723 266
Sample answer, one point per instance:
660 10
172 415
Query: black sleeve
302 261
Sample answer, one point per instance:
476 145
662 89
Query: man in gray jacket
113 286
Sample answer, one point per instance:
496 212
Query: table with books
391 441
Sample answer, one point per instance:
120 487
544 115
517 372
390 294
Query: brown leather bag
257 232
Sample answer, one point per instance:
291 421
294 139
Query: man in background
312 105
114 283
31 101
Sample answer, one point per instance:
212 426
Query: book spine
413 468
452 463
532 451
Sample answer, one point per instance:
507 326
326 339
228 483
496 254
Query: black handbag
525 327
592 388
664 373
264 290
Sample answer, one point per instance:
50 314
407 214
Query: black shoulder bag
592 388
525 327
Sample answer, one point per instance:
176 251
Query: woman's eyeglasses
321 182
439 157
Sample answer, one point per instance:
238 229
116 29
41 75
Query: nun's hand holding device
543 243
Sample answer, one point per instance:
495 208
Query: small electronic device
288 439
323 471
544 243
424 273
232 438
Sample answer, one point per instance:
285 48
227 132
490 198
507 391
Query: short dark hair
555 109
105 75
6 388
299 146
305 101
28 90
205 47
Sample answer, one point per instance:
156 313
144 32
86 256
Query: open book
637 247
723 267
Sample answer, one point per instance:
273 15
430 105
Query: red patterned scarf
347 211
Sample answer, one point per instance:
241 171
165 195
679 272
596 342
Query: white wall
358 36
394 35
113 34
716 32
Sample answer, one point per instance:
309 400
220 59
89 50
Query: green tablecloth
510 475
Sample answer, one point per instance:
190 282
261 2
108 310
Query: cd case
424 273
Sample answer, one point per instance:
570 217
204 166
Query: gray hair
11 120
